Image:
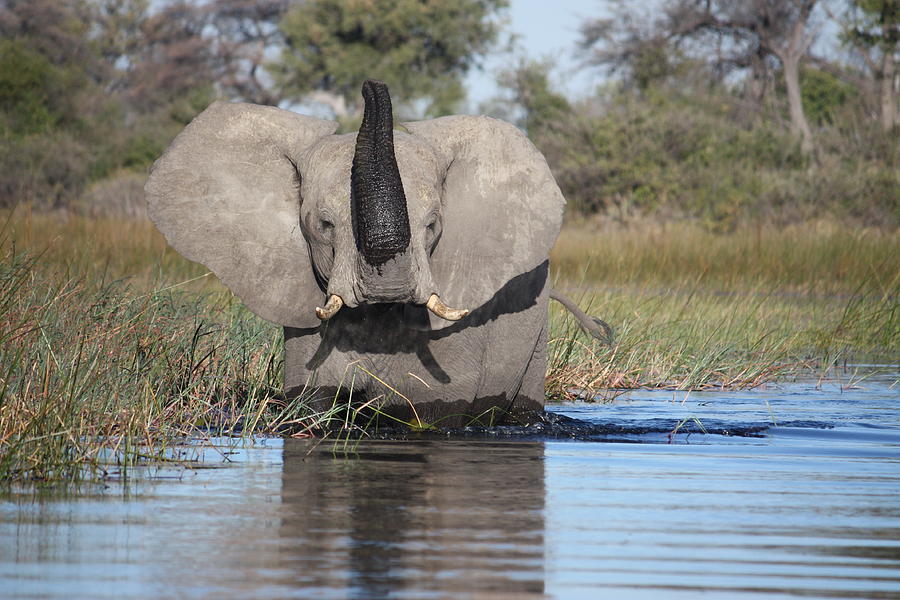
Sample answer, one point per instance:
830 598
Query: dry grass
824 258
100 250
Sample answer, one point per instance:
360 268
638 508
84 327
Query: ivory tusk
333 305
443 311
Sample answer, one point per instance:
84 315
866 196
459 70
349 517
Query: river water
792 490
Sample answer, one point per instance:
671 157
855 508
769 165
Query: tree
727 35
48 71
91 86
422 48
756 28
244 34
173 59
57 29
630 43
544 109
161 49
872 28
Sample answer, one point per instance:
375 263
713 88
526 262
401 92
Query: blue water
792 490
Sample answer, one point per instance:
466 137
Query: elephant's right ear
226 194
501 210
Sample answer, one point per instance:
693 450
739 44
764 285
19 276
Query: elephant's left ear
502 209
226 194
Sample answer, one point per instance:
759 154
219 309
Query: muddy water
783 492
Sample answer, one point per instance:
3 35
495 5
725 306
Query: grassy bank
694 309
113 345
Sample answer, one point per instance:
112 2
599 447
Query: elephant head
299 222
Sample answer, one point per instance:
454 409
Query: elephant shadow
388 329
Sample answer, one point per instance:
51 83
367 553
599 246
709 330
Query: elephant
408 267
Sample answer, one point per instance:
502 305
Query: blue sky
545 28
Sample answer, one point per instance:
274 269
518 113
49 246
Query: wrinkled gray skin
261 196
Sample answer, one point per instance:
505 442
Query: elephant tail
597 328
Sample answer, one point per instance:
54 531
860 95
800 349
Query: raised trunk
377 202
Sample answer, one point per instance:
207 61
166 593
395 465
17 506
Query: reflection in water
809 507
449 517
397 519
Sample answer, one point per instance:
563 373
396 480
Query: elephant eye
431 232
326 229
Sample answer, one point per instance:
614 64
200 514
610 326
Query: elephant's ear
226 194
502 209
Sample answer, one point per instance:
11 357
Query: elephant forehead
415 155
326 170
326 166
419 171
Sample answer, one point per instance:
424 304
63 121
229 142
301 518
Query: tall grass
693 309
98 250
822 258
112 346
91 371
95 369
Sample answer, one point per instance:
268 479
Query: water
791 491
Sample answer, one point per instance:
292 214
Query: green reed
99 374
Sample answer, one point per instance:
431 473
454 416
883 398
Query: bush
700 154
46 170
120 195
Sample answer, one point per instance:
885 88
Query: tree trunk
888 105
790 54
799 124
759 79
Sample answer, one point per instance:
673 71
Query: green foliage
89 88
652 63
71 112
421 48
699 154
544 108
28 84
872 23
49 167
823 95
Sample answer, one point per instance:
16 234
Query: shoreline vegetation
114 345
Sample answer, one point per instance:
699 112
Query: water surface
789 491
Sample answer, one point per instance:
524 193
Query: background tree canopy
91 87
719 110
714 110
422 48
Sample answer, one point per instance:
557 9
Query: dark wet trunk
377 202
